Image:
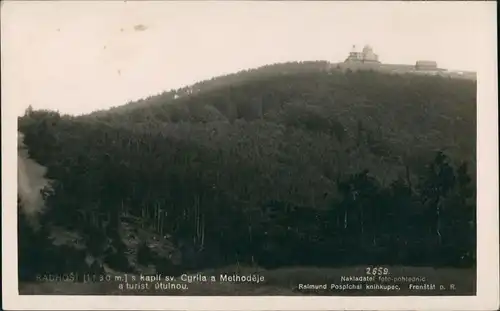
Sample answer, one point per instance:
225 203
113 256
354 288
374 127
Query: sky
78 57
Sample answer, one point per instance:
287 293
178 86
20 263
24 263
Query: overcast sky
77 57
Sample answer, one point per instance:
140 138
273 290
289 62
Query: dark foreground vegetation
295 168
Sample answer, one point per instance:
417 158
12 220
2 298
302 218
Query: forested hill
295 167
419 112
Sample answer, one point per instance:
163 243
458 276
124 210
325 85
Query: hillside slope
307 167
219 82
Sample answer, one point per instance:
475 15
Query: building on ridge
366 56
368 60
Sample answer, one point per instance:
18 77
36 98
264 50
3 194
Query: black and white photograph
250 152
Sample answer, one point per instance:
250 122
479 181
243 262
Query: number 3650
377 271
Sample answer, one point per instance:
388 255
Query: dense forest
286 165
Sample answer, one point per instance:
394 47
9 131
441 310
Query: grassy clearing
281 282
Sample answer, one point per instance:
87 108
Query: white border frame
487 222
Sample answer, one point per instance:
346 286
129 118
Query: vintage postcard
249 155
